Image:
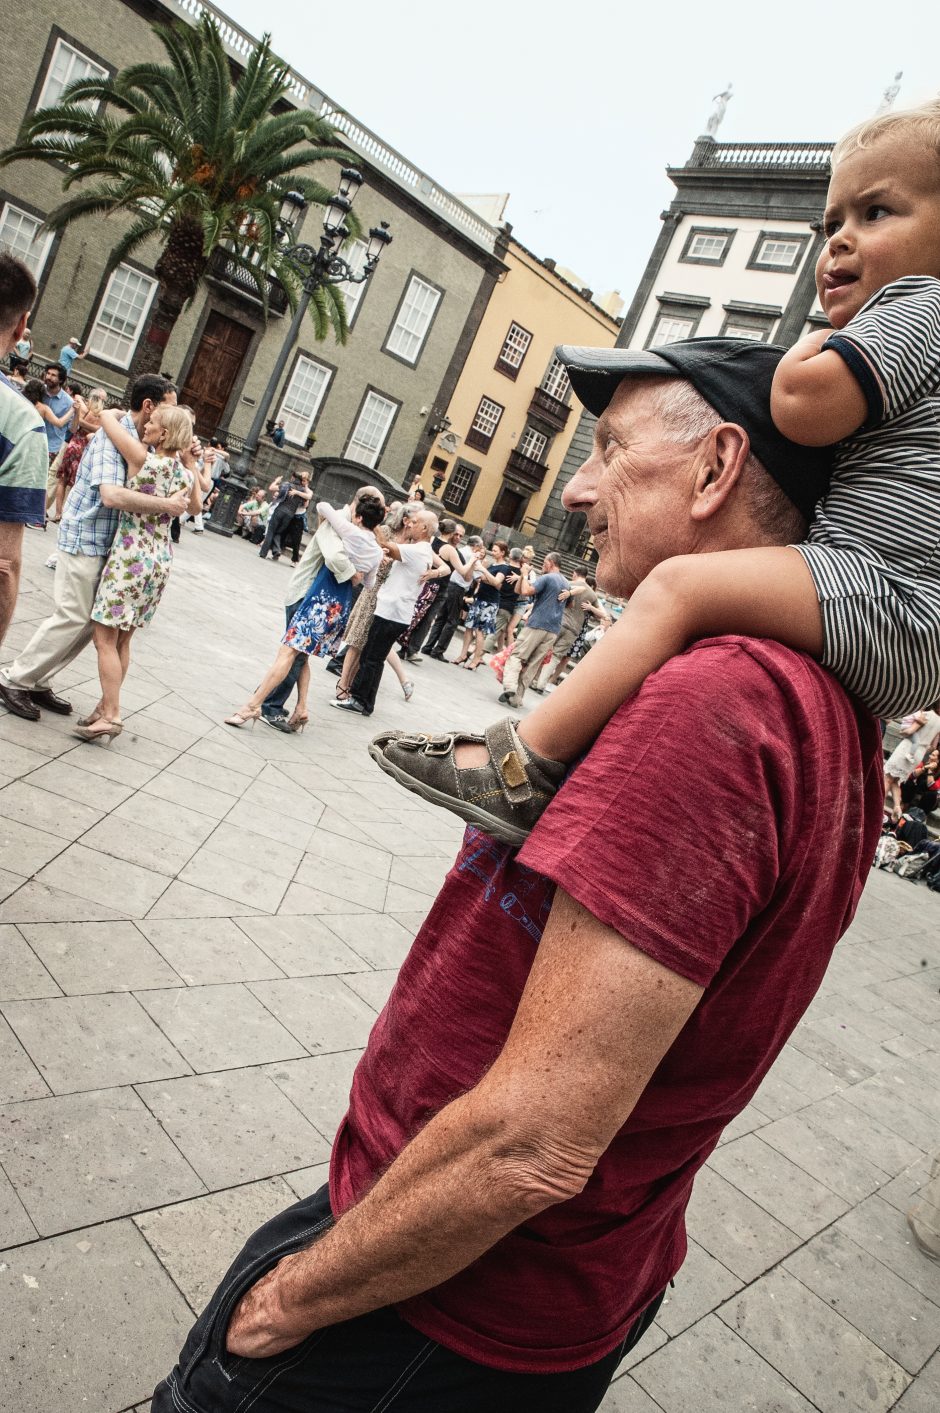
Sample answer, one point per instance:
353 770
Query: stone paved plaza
198 928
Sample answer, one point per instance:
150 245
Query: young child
862 594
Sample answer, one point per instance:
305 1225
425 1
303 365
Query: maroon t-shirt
740 876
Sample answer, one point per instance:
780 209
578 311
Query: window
669 329
459 488
371 429
67 65
121 316
413 320
557 383
355 256
738 330
707 245
778 250
483 427
532 444
513 351
302 399
20 234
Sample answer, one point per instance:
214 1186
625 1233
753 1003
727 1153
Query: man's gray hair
515 554
687 417
554 559
474 540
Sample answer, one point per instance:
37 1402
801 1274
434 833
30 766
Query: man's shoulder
15 411
721 665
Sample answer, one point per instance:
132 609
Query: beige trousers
52 481
68 629
525 660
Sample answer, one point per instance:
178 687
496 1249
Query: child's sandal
504 798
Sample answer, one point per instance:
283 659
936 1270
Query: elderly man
575 1024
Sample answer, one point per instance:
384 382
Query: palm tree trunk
151 349
179 270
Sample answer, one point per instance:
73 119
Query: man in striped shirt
23 458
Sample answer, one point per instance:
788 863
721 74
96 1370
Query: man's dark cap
734 377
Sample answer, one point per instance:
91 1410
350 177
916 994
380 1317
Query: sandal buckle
439 745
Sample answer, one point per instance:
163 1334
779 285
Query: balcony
550 411
223 269
525 470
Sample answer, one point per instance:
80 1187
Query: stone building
502 437
412 323
736 256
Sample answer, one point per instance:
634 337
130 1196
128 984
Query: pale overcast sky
576 109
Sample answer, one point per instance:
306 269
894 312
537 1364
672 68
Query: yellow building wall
533 296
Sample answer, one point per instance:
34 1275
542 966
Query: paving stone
882 1231
273 825
105 1316
203 772
98 761
654 1338
334 823
302 946
733 1229
32 735
401 900
90 1042
104 880
835 1366
25 850
891 1109
40 809
81 1158
22 974
342 882
197 1241
923 1396
206 951
220 1027
306 1181
60 777
382 941
19 760
285 799
851 1121
784 1190
10 883
232 879
37 902
749 1119
411 921
15 1226
221 747
708 1369
625 1396
320 1011
865 1292
143 748
422 875
139 844
182 900
319 1087
299 900
701 1286
328 849
98 956
256 851
373 986
178 790
806 1141
902 1190
234 1127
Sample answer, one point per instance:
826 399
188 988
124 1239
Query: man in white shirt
393 610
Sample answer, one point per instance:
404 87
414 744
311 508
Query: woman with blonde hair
138 566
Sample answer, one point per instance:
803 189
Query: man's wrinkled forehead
635 400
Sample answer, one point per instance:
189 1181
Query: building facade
502 437
411 323
736 256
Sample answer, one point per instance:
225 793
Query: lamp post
318 265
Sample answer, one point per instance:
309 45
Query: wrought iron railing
223 267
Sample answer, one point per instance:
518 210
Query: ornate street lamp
317 265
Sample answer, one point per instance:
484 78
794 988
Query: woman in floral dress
138 567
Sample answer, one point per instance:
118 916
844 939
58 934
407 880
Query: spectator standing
538 636
68 354
57 400
920 734
279 435
85 535
23 455
23 348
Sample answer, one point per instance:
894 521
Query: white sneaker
409 690
52 561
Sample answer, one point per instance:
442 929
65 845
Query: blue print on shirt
528 901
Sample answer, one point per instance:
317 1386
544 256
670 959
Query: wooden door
508 508
213 370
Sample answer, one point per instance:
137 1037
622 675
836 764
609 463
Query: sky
576 110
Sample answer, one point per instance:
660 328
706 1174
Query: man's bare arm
136 503
596 1018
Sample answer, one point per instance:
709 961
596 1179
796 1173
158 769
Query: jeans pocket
209 1347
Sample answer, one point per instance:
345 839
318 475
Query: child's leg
761 593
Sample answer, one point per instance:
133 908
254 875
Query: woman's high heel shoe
297 722
108 731
93 716
240 718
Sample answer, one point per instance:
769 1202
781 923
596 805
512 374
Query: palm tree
198 159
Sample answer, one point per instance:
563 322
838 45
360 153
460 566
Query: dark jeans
446 617
278 695
293 537
367 1365
365 685
278 525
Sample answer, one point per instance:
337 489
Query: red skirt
68 466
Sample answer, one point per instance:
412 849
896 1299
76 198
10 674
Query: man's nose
582 488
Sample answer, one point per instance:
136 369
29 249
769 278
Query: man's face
51 379
635 488
458 535
882 221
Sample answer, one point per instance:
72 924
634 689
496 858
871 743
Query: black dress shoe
46 697
17 700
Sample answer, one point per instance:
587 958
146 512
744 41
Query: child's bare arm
816 399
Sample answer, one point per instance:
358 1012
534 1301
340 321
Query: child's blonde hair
922 122
178 426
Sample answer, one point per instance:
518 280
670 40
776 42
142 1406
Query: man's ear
20 328
723 456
